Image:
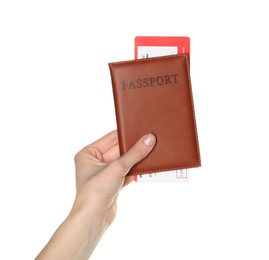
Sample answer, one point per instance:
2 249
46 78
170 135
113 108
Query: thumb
138 152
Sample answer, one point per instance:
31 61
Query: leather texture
155 95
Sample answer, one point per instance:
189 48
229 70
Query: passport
154 95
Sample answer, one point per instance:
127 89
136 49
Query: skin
100 176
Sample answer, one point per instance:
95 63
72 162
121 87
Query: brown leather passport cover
155 95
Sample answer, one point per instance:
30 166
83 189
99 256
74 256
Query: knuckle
80 155
77 157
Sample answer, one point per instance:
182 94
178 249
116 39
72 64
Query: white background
55 98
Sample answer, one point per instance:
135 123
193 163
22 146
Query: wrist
89 216
91 210
95 207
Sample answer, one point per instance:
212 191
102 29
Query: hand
101 172
100 176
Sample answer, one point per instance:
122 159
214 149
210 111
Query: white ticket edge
168 176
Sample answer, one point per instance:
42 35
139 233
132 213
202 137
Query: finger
138 152
106 142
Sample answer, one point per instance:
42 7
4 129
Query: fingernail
149 140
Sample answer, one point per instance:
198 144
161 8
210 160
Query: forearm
76 237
